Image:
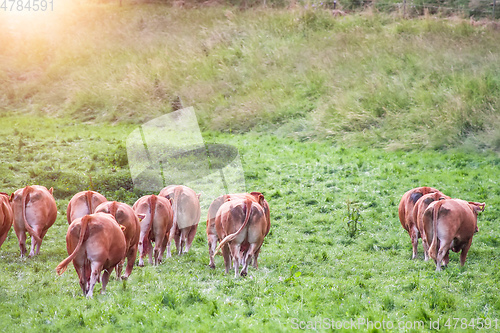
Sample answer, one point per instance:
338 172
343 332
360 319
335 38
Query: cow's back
461 218
407 203
219 201
103 241
40 209
423 203
125 216
162 212
79 206
187 208
257 225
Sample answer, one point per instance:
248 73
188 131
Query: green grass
310 268
324 112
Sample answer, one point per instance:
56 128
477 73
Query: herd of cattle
442 223
102 233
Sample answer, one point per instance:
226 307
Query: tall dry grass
361 79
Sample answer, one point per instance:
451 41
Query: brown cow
95 244
156 217
241 224
83 203
418 213
406 205
6 217
35 211
212 212
450 224
187 212
125 216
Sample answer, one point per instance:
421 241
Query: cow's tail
152 208
228 238
433 247
88 197
26 192
175 204
152 212
61 268
113 208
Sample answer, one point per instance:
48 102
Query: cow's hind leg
182 248
227 257
3 237
163 247
105 278
256 257
21 236
157 250
426 249
463 254
212 245
247 259
150 252
190 237
442 253
146 248
34 245
119 268
42 235
81 267
235 253
446 258
169 244
414 241
131 255
177 240
96 268
169 253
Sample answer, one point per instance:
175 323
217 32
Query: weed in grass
352 219
294 273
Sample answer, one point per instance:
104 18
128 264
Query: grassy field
327 113
310 269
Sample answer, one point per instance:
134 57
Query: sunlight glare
25 18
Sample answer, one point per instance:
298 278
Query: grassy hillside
358 80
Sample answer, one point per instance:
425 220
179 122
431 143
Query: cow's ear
198 195
477 207
141 217
171 200
51 190
262 200
123 227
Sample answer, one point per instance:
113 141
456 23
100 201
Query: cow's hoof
212 266
124 278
